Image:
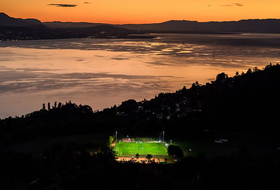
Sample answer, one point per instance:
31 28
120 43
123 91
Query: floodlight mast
163 136
116 134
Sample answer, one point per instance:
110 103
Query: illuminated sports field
141 148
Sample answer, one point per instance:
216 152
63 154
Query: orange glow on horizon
139 12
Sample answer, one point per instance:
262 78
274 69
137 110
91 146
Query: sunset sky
144 11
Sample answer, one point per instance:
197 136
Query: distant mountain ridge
108 28
251 25
59 24
6 20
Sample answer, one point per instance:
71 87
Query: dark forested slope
246 103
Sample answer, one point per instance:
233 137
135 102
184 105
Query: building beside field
141 160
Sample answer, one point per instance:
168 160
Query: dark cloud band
63 5
234 4
238 4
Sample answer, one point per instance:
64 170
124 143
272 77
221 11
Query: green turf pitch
132 148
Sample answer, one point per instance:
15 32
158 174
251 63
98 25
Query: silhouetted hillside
254 25
6 20
246 103
251 25
31 21
108 28
32 29
58 24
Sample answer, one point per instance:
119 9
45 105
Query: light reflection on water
101 72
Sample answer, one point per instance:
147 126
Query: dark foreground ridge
246 104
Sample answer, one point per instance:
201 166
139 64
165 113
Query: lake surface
105 72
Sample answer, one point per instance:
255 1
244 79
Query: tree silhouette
256 69
249 71
237 73
175 152
184 89
149 156
220 77
128 106
110 141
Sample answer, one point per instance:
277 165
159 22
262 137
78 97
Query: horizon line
157 22
144 22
